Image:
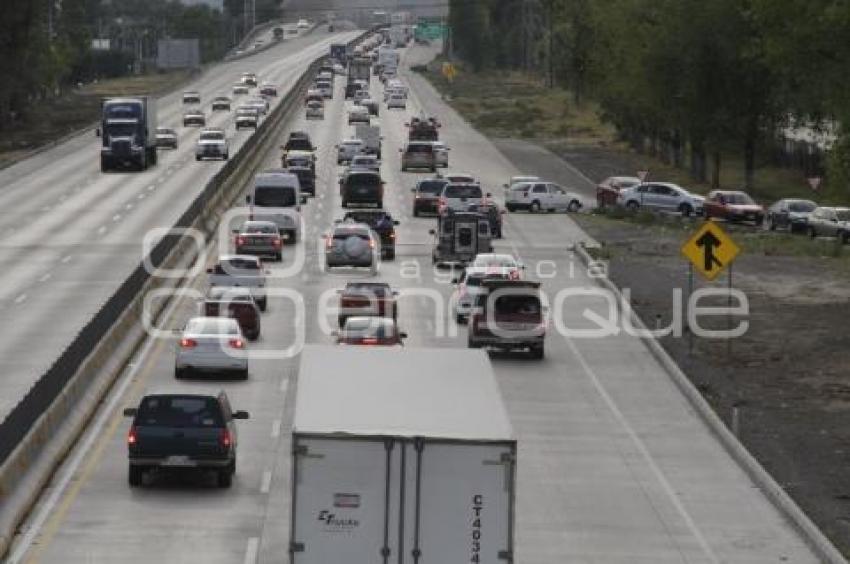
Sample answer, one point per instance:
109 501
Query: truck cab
459 237
128 133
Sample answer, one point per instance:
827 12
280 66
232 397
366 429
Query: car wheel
243 374
460 319
844 237
574 206
472 344
536 352
415 212
345 203
227 156
225 477
686 210
632 206
135 475
510 208
279 257
391 254
197 158
812 232
535 206
262 304
179 373
380 204
772 225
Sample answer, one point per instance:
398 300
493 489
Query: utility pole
550 24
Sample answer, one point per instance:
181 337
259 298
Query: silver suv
418 154
459 197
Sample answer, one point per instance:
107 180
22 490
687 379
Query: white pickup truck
243 271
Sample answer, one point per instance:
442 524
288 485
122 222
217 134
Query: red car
234 302
608 190
376 331
733 206
367 299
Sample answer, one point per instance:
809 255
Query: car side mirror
488 195
130 411
241 414
402 335
396 222
432 232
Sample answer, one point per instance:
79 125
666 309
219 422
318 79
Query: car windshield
461 191
476 279
299 144
364 180
212 326
274 196
212 136
368 288
420 148
518 305
801 207
121 129
434 187
368 327
738 198
164 132
259 228
179 411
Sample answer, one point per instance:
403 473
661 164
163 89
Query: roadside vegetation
701 86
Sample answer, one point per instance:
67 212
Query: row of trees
47 44
702 76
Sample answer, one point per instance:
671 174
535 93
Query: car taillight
369 340
392 235
329 243
240 241
131 436
371 243
224 438
277 242
237 343
188 343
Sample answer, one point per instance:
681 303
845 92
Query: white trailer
402 456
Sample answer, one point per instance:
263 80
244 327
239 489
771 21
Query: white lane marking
252 550
66 258
102 230
644 451
151 188
86 444
266 483
45 277
276 428
284 386
21 299
128 207
116 217
141 196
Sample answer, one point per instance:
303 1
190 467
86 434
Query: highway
69 234
614 465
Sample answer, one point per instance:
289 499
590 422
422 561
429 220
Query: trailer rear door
345 496
459 506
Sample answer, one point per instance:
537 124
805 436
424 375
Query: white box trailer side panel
465 511
344 499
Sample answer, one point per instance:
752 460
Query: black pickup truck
183 432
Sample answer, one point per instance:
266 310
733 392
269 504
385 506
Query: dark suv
183 432
508 315
361 187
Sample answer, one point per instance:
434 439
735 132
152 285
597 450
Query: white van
276 197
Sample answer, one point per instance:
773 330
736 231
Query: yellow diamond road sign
710 250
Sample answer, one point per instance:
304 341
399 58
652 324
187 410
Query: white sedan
499 263
211 345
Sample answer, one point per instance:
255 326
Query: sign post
710 251
814 183
643 175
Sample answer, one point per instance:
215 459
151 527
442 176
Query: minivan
276 197
361 187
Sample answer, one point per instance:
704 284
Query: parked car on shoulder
733 205
790 213
661 196
830 222
541 196
183 431
608 191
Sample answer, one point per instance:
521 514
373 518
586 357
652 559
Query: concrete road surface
69 234
614 465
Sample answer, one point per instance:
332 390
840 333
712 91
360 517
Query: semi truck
359 68
339 53
128 133
400 455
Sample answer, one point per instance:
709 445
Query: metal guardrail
38 399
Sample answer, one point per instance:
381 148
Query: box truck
400 455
